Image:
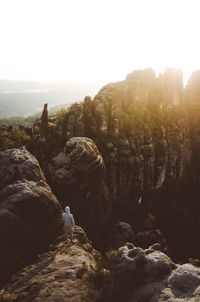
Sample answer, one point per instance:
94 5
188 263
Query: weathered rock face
74 125
147 153
44 121
68 272
18 164
30 215
150 147
192 101
150 275
171 83
77 176
78 163
145 148
192 91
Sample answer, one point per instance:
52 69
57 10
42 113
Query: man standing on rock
69 223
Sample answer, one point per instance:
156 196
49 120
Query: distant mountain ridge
24 98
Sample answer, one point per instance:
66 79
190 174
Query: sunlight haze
92 40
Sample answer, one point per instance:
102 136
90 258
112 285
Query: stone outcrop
121 234
44 121
139 145
30 215
77 176
171 85
74 125
150 149
6 127
141 150
67 272
192 90
145 148
150 275
18 164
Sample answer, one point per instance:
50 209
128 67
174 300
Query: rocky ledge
149 275
67 272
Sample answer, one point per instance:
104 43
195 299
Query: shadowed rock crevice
77 177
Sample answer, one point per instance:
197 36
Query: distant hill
21 98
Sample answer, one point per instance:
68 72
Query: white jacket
68 218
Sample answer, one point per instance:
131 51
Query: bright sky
95 40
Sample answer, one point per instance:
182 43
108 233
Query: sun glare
96 40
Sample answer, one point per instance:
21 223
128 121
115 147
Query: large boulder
121 234
77 176
18 164
80 162
149 275
30 215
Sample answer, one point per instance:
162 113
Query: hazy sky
96 39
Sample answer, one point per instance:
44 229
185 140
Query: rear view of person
69 223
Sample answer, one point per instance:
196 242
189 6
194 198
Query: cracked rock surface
149 275
65 273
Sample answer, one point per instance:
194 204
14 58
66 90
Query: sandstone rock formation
171 83
150 149
149 275
75 125
44 121
77 176
68 272
143 148
30 215
18 164
192 90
